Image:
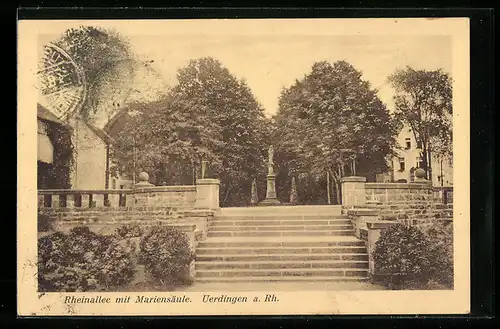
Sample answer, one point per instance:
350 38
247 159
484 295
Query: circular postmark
61 82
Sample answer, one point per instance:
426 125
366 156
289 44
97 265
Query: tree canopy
114 75
423 101
209 115
332 122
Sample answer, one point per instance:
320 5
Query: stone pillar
271 198
70 201
374 232
254 196
207 194
353 191
293 192
85 201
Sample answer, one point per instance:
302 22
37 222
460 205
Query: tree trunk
423 155
337 191
429 165
328 186
227 194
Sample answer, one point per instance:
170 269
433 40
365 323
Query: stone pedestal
353 191
271 198
374 231
207 194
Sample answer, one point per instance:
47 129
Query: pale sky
270 63
270 59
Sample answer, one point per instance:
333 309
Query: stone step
278 257
312 272
212 243
239 228
287 221
267 217
282 210
282 250
282 233
210 265
283 279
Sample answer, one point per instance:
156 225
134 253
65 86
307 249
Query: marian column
271 186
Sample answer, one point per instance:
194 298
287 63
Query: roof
100 133
44 114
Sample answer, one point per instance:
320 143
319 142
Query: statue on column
271 154
270 162
271 198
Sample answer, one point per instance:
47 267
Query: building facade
409 158
90 166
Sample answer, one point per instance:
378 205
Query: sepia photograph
233 164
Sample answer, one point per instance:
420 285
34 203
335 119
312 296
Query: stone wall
106 220
416 203
187 207
183 197
109 214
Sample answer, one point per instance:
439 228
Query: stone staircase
297 243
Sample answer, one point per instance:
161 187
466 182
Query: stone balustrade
59 198
443 194
144 203
203 195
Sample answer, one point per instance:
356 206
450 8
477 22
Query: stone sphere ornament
143 177
420 173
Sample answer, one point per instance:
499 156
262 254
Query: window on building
420 162
114 184
419 144
408 143
43 128
450 162
401 164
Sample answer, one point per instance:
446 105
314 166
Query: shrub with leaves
440 235
82 261
402 257
129 231
45 223
166 254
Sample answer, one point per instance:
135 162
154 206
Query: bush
440 235
166 255
129 231
82 261
45 223
402 258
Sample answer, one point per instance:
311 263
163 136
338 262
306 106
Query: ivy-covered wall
58 174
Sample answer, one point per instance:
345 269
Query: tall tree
114 75
163 140
209 115
423 100
332 123
232 117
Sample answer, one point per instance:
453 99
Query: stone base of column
271 199
269 202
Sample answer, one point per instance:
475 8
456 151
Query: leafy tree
331 124
163 140
232 118
112 71
209 115
424 101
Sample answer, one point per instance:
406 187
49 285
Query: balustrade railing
56 198
444 194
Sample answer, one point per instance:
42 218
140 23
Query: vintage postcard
243 167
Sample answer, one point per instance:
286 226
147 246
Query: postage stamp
243 167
